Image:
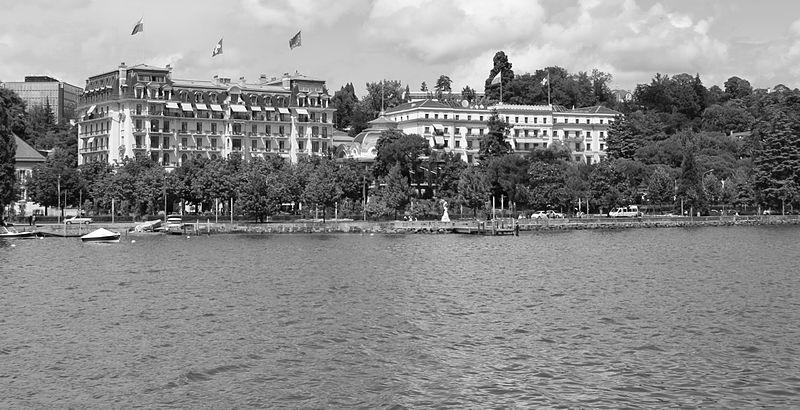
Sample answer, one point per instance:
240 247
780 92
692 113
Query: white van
630 211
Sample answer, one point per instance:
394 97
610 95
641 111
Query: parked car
553 214
77 220
539 215
631 211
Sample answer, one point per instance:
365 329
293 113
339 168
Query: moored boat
174 225
101 235
9 232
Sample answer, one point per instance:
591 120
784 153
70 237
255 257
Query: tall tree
473 189
736 87
344 101
776 160
395 148
493 143
468 94
322 190
396 192
443 85
8 148
500 65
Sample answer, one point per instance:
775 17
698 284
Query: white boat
174 225
101 235
9 232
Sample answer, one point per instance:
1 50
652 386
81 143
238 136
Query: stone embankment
410 227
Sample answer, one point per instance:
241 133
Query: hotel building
458 128
144 110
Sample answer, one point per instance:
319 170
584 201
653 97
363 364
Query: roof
25 152
597 109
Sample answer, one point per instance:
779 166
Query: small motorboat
101 235
9 232
174 225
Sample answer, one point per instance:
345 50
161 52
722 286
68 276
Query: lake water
701 317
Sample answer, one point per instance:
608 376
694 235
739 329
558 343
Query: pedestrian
33 219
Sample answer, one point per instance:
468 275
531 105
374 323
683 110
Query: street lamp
58 211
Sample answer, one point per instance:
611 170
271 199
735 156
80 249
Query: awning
438 140
255 108
172 105
283 110
216 107
186 107
238 108
301 111
201 106
91 109
269 108
91 139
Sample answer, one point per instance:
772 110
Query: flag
498 78
217 49
295 41
293 148
139 27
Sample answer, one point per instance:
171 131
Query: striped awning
186 107
238 108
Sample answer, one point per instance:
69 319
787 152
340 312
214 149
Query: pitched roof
25 152
597 109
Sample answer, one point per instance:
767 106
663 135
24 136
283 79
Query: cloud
435 31
301 14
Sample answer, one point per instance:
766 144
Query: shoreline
429 227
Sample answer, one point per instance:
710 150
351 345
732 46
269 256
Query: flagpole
501 86
548 87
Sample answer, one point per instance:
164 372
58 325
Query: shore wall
411 227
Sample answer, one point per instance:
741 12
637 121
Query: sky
360 41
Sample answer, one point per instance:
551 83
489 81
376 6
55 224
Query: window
266 145
469 144
280 130
535 120
544 133
184 127
154 126
544 120
507 119
480 131
526 120
213 127
237 144
324 117
436 116
602 147
324 132
457 131
516 120
166 158
213 143
587 121
427 130
457 116
516 133
199 142
577 121
254 145
469 131
588 134
255 129
166 126
426 115
199 126
481 117
281 146
300 145
166 142
445 116
458 143
469 118
601 120
184 142
601 134
269 130
138 125
138 109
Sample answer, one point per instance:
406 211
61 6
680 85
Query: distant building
458 128
144 110
42 90
622 95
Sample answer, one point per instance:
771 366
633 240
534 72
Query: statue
445 216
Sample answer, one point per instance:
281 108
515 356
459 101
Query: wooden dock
487 228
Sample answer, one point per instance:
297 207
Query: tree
322 190
443 85
493 143
261 188
396 193
622 140
344 101
383 95
423 86
736 87
60 168
503 66
776 160
731 116
8 147
661 186
397 148
362 115
473 189
548 185
689 188
468 94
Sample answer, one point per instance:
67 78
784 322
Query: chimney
262 79
216 79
